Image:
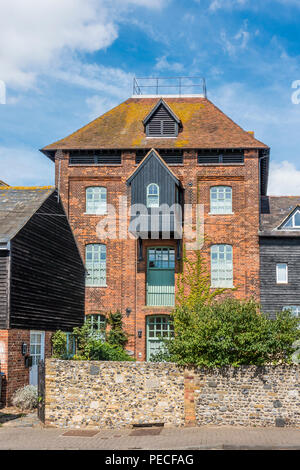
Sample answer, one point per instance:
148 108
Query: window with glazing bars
152 195
221 266
96 199
95 260
221 200
294 309
97 325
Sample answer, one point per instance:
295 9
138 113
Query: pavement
27 433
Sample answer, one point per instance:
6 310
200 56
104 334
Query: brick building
154 150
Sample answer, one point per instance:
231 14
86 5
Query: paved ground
26 433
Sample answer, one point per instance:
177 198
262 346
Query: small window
95 259
294 309
282 273
221 266
221 200
152 195
97 325
293 222
96 200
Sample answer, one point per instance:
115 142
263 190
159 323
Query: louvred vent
162 124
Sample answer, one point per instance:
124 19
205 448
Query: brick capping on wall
97 394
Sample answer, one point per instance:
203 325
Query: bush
26 398
90 347
216 333
231 333
97 350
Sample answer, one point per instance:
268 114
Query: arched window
152 195
221 200
95 262
221 266
96 200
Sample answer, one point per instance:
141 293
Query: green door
161 277
158 328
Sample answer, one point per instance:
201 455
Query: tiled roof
3 184
204 126
17 205
274 210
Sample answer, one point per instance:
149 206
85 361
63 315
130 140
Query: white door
37 351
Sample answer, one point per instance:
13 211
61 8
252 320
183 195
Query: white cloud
35 35
99 105
163 63
32 168
228 4
284 179
238 42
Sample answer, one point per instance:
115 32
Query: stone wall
123 394
113 394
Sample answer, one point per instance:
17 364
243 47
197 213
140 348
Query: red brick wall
16 374
126 277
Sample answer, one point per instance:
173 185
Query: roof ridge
26 187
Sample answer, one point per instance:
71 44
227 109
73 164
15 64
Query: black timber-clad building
42 281
42 273
280 254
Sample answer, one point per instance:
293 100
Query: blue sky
66 62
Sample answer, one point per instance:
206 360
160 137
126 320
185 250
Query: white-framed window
97 324
281 273
221 266
295 310
293 222
221 200
152 195
95 263
96 200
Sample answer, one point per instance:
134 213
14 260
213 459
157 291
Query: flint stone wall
113 394
95 394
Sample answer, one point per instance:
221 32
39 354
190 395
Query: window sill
227 213
282 283
97 287
95 215
222 287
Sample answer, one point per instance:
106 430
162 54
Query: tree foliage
213 332
90 347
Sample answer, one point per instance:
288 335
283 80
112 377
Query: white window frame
292 218
93 206
221 270
286 281
149 205
295 309
95 263
98 324
218 205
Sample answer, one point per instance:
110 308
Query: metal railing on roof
169 85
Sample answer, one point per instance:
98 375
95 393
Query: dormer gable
161 121
292 222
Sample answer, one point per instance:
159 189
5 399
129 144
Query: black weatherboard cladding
275 250
4 279
47 275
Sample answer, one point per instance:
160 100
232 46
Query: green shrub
213 333
90 347
231 332
26 398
